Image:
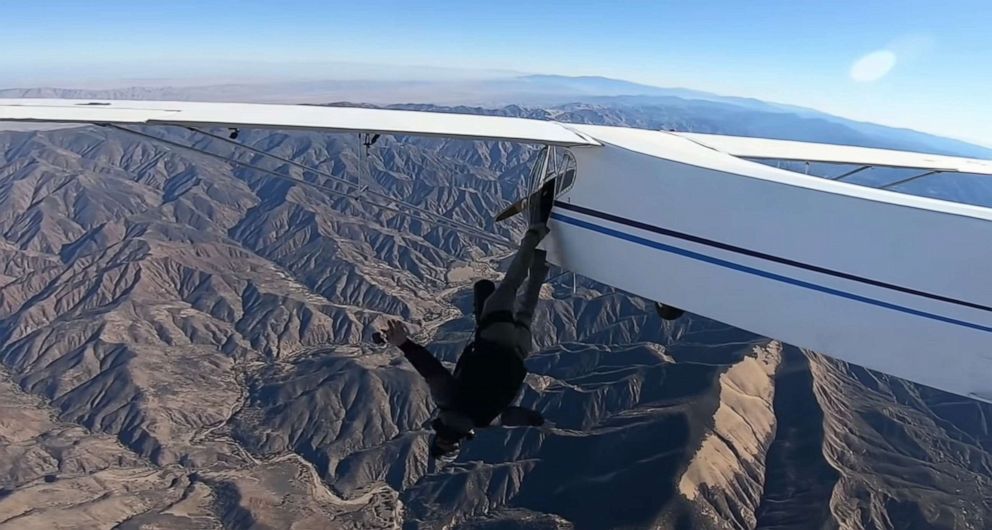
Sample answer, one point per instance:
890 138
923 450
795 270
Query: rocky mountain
185 343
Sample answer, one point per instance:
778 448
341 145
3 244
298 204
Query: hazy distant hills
185 344
728 114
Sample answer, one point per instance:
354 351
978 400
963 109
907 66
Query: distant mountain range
781 121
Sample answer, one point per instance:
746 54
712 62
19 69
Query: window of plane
554 164
565 177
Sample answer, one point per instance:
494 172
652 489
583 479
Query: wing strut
910 179
365 177
411 209
849 173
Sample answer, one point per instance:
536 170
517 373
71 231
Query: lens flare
873 66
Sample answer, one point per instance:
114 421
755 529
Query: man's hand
396 333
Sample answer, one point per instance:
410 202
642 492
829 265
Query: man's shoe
482 289
541 202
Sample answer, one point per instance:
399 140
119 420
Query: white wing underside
350 119
307 117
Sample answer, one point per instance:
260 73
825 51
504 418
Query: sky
926 65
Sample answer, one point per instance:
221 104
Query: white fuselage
895 286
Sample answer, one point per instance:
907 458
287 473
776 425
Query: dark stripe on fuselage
761 255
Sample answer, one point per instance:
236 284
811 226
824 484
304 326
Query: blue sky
930 66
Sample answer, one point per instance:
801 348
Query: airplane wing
332 119
764 148
350 119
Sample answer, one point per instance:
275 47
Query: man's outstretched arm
439 378
520 417
423 360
